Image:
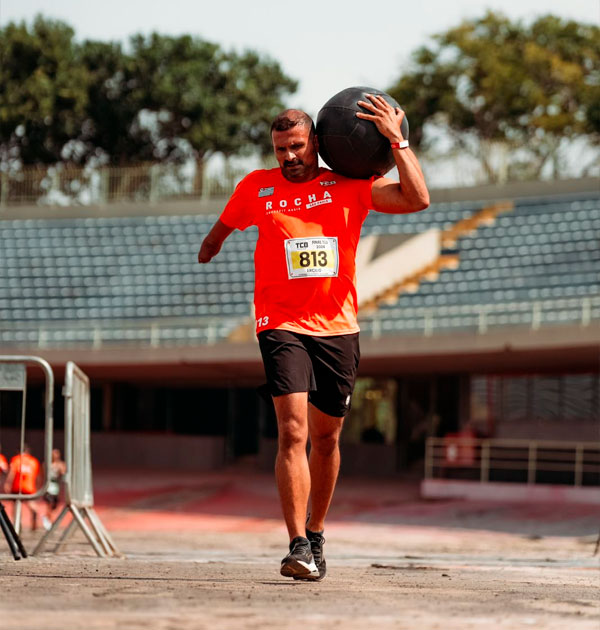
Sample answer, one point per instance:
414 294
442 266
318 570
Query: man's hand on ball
387 119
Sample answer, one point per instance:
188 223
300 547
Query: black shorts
323 366
51 500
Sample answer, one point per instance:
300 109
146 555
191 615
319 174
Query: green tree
167 98
109 131
43 94
501 87
256 89
215 101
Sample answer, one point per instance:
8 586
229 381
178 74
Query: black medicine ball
352 146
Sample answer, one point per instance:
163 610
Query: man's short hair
291 118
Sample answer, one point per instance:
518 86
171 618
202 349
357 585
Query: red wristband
399 145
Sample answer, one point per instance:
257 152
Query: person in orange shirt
23 474
309 220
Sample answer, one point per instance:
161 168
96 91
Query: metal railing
108 333
480 318
69 185
154 333
528 461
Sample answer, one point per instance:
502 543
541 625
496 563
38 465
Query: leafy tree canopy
214 100
493 83
43 95
164 98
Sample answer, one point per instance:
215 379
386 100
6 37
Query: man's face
296 153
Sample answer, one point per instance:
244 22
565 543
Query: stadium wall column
230 424
417 417
246 415
107 406
428 405
464 401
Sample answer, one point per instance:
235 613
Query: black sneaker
317 540
299 563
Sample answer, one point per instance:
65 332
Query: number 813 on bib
312 257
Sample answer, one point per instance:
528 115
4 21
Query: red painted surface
240 501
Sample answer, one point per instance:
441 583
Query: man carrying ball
309 221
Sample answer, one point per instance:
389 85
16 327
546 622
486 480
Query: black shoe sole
318 578
297 570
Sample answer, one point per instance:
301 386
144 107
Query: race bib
312 257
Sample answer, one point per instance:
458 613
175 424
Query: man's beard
294 169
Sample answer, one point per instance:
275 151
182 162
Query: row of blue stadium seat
43 315
163 264
486 239
164 282
125 298
140 283
563 221
479 256
93 246
421 298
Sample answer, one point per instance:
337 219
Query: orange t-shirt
305 270
26 469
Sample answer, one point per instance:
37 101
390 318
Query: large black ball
352 146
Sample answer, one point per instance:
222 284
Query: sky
326 45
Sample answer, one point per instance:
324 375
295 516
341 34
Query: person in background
23 476
58 468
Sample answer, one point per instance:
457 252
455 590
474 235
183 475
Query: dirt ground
203 551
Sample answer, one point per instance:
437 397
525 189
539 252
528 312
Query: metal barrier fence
13 378
530 461
79 494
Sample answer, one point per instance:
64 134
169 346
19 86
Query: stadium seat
144 268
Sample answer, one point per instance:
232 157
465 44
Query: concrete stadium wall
570 431
368 460
125 450
173 452
135 450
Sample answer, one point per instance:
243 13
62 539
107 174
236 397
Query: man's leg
291 466
324 462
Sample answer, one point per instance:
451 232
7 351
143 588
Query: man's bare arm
211 245
410 194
